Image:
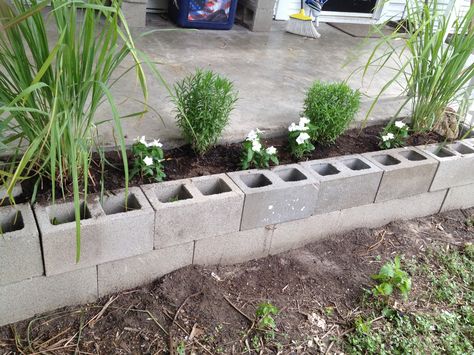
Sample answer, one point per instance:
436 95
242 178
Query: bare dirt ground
318 290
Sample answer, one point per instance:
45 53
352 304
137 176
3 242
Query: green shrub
330 107
203 101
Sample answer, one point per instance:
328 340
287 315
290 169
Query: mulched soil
183 163
205 309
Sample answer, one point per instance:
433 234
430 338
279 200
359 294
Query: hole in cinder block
255 180
355 164
173 194
386 160
291 174
212 186
248 16
113 204
441 152
325 169
461 148
11 222
412 155
65 213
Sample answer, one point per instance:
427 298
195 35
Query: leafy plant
50 92
204 102
264 315
330 108
299 137
434 75
147 159
254 154
394 135
392 276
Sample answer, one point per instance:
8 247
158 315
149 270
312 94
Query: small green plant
254 154
392 276
394 135
147 159
330 108
299 137
204 101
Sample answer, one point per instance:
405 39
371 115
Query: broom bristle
302 28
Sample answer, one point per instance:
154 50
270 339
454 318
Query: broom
302 25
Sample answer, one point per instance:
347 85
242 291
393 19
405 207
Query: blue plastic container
205 14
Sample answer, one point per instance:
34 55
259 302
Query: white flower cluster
389 136
300 127
155 143
254 137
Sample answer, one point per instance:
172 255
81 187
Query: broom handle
302 5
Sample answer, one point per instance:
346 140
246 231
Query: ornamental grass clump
204 101
330 108
255 155
299 137
50 89
147 159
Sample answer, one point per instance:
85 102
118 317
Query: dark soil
182 162
204 310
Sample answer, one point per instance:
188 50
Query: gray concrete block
285 193
24 299
459 197
258 4
233 248
192 209
135 13
469 141
406 172
142 269
344 182
108 231
456 164
4 198
20 249
259 19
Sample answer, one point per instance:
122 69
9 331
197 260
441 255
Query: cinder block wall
130 240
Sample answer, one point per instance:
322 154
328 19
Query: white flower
298 127
256 146
252 136
271 150
155 143
388 137
302 138
302 128
142 140
148 161
400 124
304 121
293 127
259 131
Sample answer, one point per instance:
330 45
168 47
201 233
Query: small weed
173 198
181 348
391 276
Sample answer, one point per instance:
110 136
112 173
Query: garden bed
319 290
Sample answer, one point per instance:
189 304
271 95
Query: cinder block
4 198
259 19
344 182
24 299
258 4
469 141
456 164
142 269
283 194
109 230
233 248
406 172
295 234
135 13
459 197
20 249
192 209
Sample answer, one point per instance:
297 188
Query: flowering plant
394 135
148 158
254 154
299 137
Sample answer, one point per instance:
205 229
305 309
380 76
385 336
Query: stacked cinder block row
257 15
128 240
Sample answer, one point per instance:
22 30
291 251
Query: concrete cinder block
258 19
192 209
142 269
135 13
469 142
406 172
4 198
258 4
233 248
109 231
285 193
459 197
344 182
20 249
24 299
456 164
